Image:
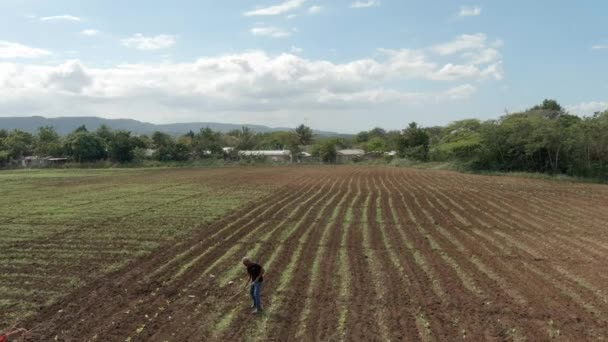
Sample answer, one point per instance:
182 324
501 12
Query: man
255 281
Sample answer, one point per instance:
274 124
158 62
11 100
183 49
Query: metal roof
266 153
351 152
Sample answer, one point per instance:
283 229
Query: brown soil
433 256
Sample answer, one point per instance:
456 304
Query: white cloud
284 7
244 87
269 31
89 32
483 56
462 43
64 17
469 11
291 16
10 50
365 4
588 108
461 92
315 10
141 42
599 47
296 50
454 72
69 77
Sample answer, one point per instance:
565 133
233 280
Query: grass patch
65 219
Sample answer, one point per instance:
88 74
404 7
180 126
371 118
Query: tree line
83 146
545 138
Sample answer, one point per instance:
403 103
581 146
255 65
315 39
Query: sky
341 65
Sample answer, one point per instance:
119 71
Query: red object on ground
3 338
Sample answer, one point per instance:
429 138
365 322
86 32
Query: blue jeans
256 295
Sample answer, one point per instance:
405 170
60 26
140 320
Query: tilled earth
357 253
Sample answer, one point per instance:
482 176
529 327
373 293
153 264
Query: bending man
255 281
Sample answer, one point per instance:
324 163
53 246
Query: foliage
376 144
4 158
121 147
83 146
18 144
327 150
105 133
304 135
207 143
245 138
542 139
414 143
460 139
47 142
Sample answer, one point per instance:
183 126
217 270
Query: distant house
271 155
32 161
304 157
57 161
36 161
391 153
149 152
349 155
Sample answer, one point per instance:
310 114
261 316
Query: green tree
160 139
414 143
4 158
121 147
4 155
393 139
167 149
304 135
291 142
549 105
85 147
207 143
362 137
105 133
365 136
18 144
181 152
144 141
460 140
377 132
82 128
47 142
376 144
246 139
325 151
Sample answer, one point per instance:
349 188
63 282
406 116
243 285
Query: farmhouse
36 161
56 161
149 152
391 153
32 161
272 155
349 155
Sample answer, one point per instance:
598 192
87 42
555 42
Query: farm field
63 229
351 253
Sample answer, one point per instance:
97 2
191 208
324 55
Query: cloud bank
250 83
141 42
284 7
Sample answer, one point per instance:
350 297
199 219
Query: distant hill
65 125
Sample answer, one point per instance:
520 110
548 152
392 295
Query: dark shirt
254 271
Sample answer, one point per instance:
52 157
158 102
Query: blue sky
344 65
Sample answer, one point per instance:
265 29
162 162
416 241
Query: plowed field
363 254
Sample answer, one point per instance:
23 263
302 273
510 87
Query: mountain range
65 125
